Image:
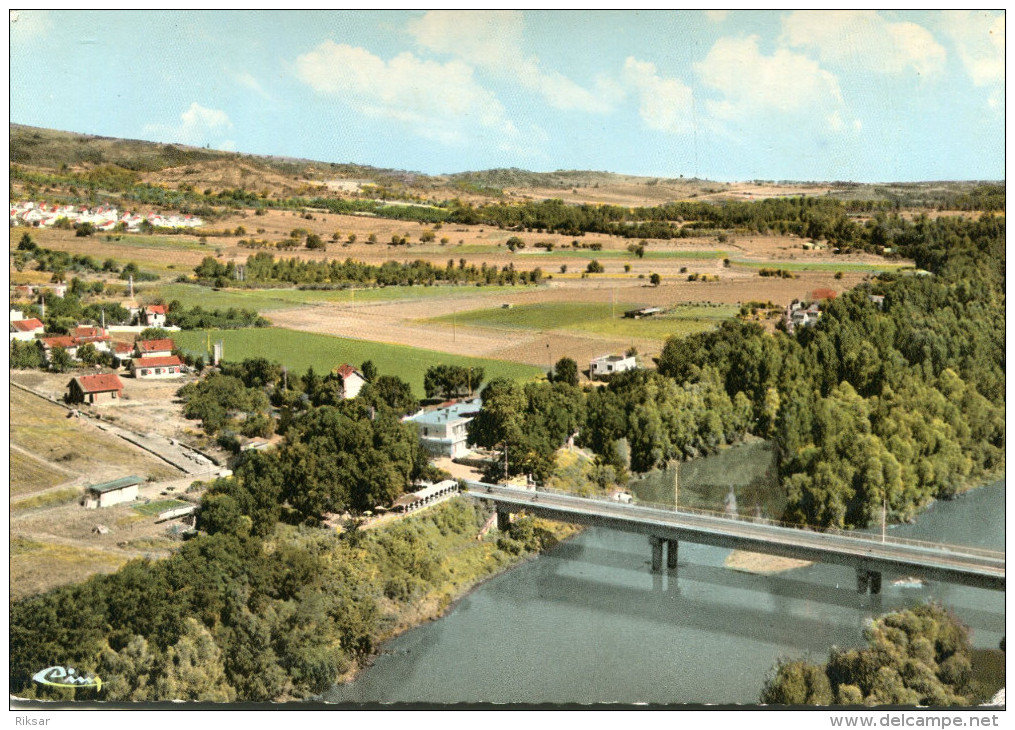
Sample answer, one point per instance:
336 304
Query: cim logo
66 677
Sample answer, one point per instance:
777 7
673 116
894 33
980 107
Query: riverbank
466 573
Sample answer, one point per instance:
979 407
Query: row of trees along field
264 269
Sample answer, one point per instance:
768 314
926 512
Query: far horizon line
512 168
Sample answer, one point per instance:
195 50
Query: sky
867 96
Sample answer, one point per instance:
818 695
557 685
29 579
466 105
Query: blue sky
776 95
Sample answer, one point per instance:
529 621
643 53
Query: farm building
607 365
154 348
643 312
153 315
352 380
444 431
109 493
799 314
26 329
156 367
429 494
65 341
94 389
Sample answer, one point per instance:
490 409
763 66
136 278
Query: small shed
107 494
95 389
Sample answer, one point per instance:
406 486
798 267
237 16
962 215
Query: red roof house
154 348
157 367
28 325
93 389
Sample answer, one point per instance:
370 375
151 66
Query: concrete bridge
868 555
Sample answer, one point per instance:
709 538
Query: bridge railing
752 519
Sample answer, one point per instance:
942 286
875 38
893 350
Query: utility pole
884 513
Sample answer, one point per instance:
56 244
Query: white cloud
439 101
751 82
979 40
864 39
198 126
248 81
493 41
663 103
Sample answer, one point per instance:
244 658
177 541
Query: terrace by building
429 494
94 389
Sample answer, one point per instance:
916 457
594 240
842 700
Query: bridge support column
875 582
657 553
503 520
671 554
862 580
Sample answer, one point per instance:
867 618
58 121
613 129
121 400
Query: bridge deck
956 564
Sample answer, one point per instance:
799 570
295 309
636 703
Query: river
587 622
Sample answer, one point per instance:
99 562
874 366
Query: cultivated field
301 350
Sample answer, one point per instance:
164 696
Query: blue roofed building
443 431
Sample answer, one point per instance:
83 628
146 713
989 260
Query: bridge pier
657 553
671 554
503 520
868 580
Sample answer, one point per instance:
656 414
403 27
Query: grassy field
264 300
47 499
44 429
28 475
154 508
594 317
159 243
586 253
824 265
62 564
301 350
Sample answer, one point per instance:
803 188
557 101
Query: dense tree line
920 656
263 269
452 381
236 616
197 317
898 403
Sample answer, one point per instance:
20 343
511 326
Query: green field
265 300
300 350
154 508
595 318
158 243
823 265
586 253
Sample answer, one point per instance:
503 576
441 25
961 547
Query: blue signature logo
66 677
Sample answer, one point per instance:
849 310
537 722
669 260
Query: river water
587 622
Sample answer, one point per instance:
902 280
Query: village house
800 314
429 494
154 348
95 335
26 329
153 315
65 341
109 493
153 368
352 380
444 430
94 389
122 352
607 365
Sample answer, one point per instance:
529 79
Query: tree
500 421
26 355
60 360
153 333
594 267
655 279
390 391
315 243
566 371
369 370
84 229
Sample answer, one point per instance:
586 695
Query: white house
444 431
352 380
109 493
153 315
26 329
154 348
154 368
607 365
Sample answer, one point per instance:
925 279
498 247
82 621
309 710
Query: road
958 564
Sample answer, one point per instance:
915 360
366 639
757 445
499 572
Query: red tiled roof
154 345
157 309
156 362
92 333
26 325
122 347
345 370
61 341
102 383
